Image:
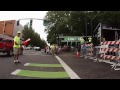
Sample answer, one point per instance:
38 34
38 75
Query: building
10 28
71 40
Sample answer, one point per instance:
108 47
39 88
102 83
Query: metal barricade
96 53
111 53
89 51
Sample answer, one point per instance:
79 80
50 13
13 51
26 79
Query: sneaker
15 62
18 61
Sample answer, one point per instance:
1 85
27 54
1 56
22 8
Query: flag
26 42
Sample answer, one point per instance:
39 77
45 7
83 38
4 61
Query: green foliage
28 32
72 23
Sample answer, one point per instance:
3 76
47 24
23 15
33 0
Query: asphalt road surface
38 65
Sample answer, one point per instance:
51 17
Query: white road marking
26 64
107 61
117 69
16 72
70 72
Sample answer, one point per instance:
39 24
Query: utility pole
86 24
92 25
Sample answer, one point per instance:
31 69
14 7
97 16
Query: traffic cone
77 54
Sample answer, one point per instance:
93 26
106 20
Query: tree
29 32
72 23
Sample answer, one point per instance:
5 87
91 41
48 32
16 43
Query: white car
37 48
28 48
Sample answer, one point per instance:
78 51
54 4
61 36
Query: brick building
10 28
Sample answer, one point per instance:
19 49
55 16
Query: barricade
89 51
110 50
96 53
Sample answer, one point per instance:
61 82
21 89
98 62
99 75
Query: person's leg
52 51
15 54
15 58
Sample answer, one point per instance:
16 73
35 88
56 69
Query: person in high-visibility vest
90 40
82 41
16 47
52 49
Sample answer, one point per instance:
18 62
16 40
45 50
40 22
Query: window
1 39
9 41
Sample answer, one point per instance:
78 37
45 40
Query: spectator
78 49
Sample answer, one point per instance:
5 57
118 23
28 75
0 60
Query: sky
37 24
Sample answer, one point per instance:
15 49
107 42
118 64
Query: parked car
6 46
28 48
37 49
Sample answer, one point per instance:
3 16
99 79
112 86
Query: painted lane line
70 72
16 72
117 69
27 64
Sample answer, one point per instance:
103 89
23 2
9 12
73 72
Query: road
38 65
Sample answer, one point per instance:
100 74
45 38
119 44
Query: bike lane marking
40 74
42 65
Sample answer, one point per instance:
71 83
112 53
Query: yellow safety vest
90 39
17 40
82 41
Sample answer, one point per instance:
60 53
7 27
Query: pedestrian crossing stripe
40 74
42 65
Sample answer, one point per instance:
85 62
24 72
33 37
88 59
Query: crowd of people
55 49
83 47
